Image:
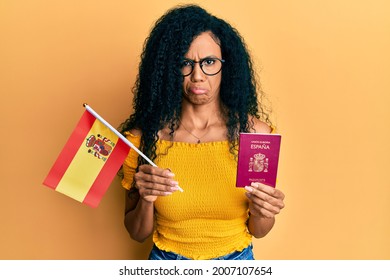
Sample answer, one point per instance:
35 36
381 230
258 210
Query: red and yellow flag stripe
88 162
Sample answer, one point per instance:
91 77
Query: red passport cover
258 158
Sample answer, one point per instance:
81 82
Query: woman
194 93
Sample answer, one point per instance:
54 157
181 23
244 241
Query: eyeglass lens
209 66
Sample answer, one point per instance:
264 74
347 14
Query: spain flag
89 160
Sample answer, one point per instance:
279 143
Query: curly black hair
158 87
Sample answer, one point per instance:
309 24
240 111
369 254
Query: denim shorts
157 254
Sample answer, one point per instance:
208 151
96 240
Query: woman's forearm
259 226
140 221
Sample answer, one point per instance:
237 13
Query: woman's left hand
264 201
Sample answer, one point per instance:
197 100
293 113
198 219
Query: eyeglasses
210 66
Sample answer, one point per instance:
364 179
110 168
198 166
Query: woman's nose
197 74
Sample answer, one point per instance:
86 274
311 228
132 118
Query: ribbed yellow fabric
208 219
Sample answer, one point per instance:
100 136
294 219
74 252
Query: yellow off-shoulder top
209 218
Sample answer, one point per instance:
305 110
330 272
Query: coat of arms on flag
89 160
100 146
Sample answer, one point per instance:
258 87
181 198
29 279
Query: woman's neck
201 116
201 124
198 124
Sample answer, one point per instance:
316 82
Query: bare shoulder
260 126
136 132
165 134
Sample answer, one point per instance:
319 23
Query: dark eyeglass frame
193 62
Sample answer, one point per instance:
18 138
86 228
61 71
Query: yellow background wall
325 66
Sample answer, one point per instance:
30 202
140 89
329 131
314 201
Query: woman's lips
198 90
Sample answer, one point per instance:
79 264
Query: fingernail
167 193
174 188
170 173
174 183
249 189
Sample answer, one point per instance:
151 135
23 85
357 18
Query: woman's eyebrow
206 57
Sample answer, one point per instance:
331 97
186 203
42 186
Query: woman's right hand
153 182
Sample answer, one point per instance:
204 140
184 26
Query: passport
258 159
